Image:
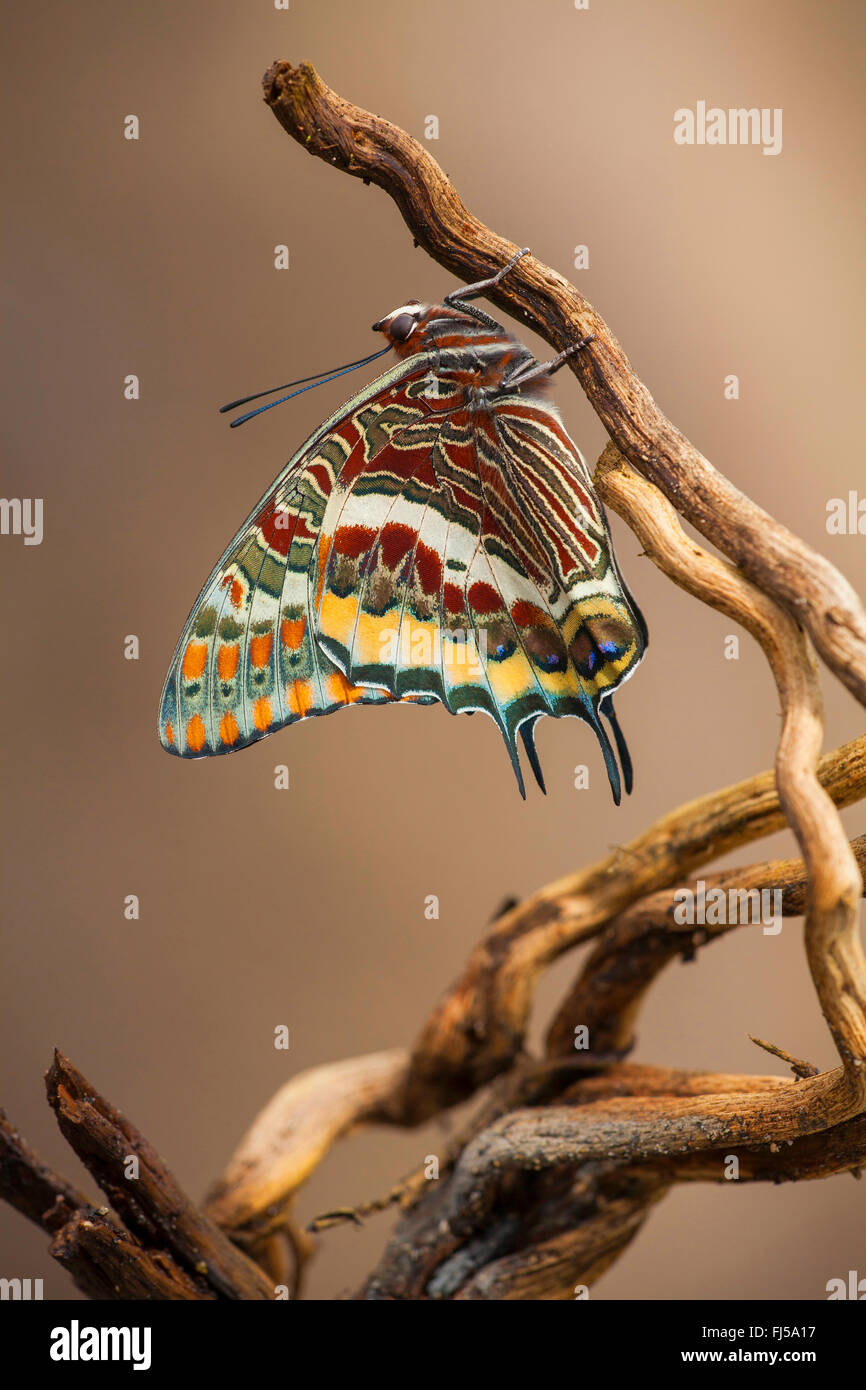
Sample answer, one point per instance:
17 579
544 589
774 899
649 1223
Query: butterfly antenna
318 379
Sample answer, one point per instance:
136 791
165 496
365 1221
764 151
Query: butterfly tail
527 733
610 761
515 760
621 745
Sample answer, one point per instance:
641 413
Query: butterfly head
404 327
415 327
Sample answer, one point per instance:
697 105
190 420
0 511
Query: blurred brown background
305 907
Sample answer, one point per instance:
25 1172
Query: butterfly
438 539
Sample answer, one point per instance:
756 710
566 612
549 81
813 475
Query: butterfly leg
530 371
481 286
465 292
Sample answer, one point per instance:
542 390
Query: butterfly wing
248 661
415 548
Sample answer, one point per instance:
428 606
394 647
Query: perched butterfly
437 539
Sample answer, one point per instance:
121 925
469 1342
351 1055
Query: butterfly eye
400 327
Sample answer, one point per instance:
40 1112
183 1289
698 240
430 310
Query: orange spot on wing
262 714
299 697
260 650
237 593
194 660
169 732
342 691
195 733
292 632
229 731
227 661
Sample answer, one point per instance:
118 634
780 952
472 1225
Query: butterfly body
437 539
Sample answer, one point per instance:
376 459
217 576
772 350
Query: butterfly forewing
248 660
